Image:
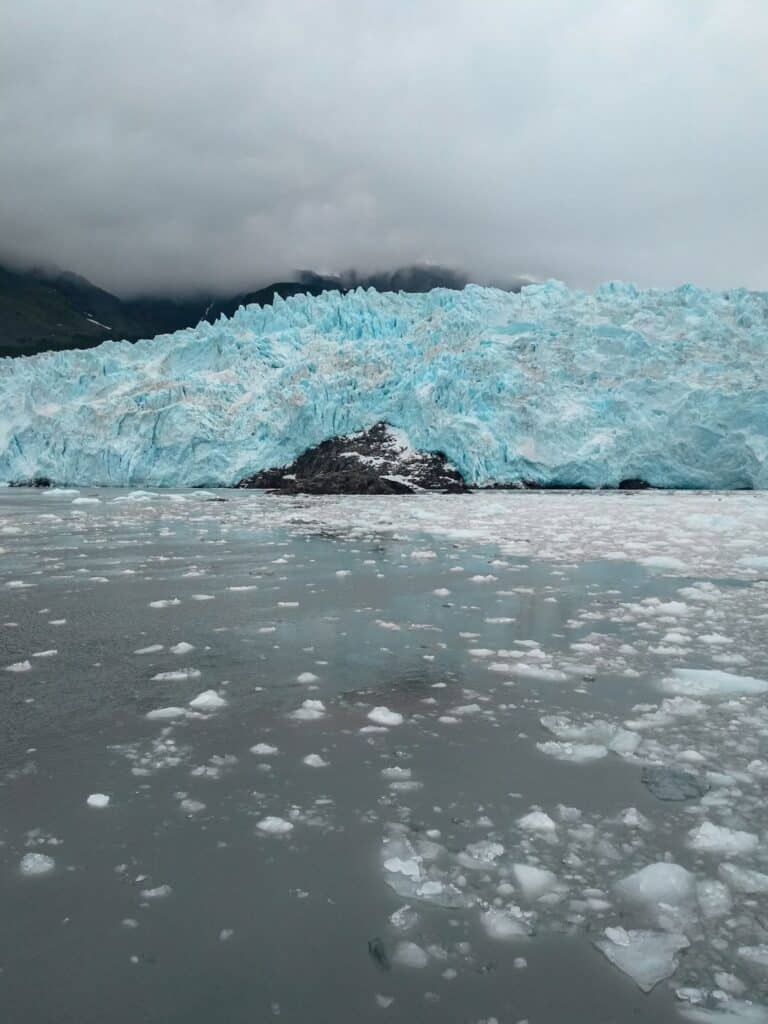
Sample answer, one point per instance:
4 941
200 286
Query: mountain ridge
45 310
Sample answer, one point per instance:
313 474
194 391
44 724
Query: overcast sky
164 145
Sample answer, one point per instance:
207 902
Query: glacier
549 385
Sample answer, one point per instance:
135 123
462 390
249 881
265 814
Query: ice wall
550 385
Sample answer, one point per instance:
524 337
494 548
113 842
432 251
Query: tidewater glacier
551 385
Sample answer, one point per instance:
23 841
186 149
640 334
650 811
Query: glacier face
549 385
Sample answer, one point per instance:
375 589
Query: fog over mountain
219 144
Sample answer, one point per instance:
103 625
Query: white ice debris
177 676
309 711
160 714
710 683
275 826
208 700
307 677
743 880
646 956
315 761
383 716
159 892
504 924
664 892
408 954
533 881
726 842
36 864
263 749
537 821
98 801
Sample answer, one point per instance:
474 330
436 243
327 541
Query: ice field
494 757
551 385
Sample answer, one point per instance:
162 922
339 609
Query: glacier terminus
551 386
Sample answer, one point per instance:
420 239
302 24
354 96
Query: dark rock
37 481
378 953
673 783
375 461
634 483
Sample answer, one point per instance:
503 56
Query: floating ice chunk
45 654
152 649
383 716
533 881
430 890
673 783
710 683
411 867
170 602
735 1011
307 677
408 954
537 821
19 666
275 826
691 757
535 672
577 753
189 806
208 700
662 562
755 956
315 761
665 892
158 893
743 879
727 842
309 711
485 851
624 743
404 917
177 676
98 801
714 898
264 749
182 648
504 924
159 714
646 956
36 864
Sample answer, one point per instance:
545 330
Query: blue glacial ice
550 385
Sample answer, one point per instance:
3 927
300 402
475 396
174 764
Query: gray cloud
154 146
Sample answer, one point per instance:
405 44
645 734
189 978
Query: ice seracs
224 401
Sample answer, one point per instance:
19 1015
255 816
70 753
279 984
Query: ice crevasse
550 385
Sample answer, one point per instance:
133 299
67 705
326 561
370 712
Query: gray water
259 926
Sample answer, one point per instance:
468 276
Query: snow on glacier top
549 385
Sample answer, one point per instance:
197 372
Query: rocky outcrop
375 461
